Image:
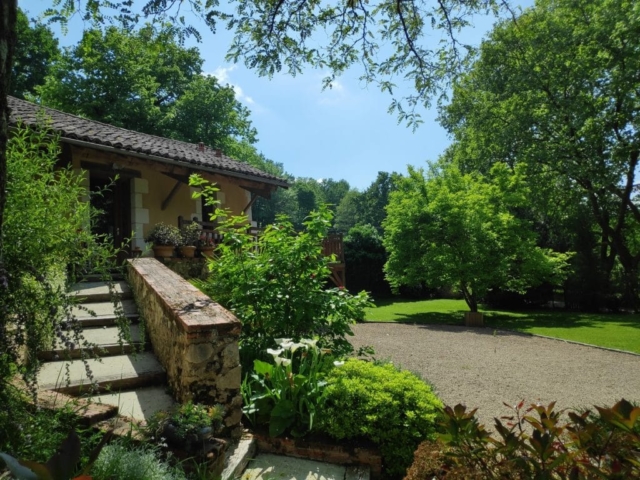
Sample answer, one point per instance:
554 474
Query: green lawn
621 331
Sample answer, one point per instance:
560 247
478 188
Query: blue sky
341 133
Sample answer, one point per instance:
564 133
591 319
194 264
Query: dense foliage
556 93
276 284
393 408
365 256
133 462
48 245
535 443
36 51
287 393
462 231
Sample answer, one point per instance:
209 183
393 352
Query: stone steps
107 341
112 373
140 403
100 314
92 292
94 277
126 375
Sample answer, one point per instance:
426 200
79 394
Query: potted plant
188 431
165 238
189 237
206 245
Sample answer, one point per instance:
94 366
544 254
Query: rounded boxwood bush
393 408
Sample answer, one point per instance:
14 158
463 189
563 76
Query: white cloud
224 77
336 93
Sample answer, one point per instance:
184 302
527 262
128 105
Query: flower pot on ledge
207 252
473 319
163 251
188 251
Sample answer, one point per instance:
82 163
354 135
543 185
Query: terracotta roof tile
78 128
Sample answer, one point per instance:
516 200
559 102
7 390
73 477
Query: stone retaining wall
337 453
194 338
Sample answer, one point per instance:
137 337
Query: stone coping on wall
195 312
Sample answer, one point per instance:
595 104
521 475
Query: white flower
287 345
338 363
286 362
280 341
309 341
295 346
275 353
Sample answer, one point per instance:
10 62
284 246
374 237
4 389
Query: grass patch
620 331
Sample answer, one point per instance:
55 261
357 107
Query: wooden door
112 199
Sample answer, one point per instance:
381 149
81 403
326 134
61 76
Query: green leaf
262 368
282 416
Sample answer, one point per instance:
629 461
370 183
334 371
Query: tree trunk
8 12
469 297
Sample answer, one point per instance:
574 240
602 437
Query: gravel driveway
481 369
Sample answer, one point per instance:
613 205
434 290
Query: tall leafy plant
47 244
276 284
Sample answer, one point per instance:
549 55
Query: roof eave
170 161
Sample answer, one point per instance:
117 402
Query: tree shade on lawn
619 331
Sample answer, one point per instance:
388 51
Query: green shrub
163 234
275 284
393 408
534 444
132 463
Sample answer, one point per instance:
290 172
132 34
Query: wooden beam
173 191
253 199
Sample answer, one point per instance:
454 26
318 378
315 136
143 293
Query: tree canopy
414 41
146 81
36 50
557 92
455 230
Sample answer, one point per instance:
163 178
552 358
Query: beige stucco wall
150 190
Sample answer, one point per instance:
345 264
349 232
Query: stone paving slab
104 309
238 455
267 466
99 291
106 335
121 371
139 404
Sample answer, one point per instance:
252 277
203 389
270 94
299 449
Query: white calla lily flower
338 363
273 352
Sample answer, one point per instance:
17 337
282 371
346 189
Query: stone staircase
127 374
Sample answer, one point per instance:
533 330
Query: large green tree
124 78
449 229
36 50
557 92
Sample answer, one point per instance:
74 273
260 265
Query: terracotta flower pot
188 251
163 251
207 252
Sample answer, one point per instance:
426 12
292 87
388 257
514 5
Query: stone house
152 173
